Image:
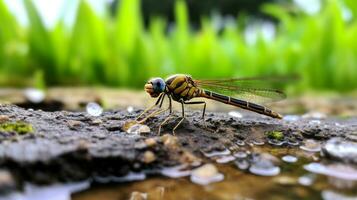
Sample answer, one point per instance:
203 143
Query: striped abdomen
240 103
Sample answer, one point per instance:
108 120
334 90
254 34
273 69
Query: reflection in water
54 192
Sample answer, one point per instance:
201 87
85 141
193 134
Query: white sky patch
54 10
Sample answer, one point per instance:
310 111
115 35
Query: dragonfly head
155 87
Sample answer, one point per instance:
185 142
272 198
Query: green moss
277 135
18 127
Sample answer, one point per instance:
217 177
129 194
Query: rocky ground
46 147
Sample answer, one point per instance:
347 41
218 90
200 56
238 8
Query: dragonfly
238 92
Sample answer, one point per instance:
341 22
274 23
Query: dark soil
73 146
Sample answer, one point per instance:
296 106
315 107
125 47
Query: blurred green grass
119 51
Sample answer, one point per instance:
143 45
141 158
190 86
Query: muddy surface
74 146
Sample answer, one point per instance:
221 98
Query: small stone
138 196
96 121
188 157
169 140
83 144
206 174
4 118
138 129
128 124
284 180
150 142
149 157
74 124
7 182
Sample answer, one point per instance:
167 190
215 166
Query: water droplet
264 168
242 164
206 174
311 146
225 159
240 154
263 165
34 95
307 179
291 118
217 153
130 109
176 172
314 122
258 142
235 114
340 171
332 195
94 109
138 129
276 142
341 149
289 158
240 142
314 115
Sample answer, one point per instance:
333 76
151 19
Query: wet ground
235 155
230 155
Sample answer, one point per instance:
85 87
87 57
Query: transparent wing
256 89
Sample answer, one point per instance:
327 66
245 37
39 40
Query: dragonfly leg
203 111
161 98
157 112
164 122
182 118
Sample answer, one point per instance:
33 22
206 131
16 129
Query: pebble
7 182
169 140
94 109
4 118
311 146
150 142
74 124
289 159
341 149
96 121
138 129
206 174
138 196
149 157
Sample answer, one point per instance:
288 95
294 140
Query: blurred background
122 43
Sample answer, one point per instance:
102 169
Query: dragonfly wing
250 89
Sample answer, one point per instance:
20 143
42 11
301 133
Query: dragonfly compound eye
158 85
155 87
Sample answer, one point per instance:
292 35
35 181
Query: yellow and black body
182 88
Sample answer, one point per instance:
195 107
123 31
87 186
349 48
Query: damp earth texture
107 155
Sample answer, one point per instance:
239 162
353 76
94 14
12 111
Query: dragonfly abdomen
240 103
